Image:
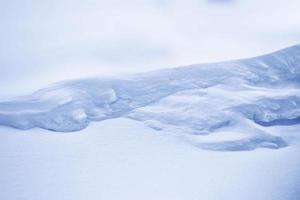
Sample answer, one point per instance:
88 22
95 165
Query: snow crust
241 98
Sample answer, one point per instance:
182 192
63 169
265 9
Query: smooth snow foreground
124 159
168 134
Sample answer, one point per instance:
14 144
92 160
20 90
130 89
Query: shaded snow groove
192 102
272 142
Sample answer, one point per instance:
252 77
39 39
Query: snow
199 99
124 159
210 131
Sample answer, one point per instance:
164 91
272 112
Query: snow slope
176 134
124 159
239 98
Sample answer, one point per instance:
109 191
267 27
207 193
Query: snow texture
199 103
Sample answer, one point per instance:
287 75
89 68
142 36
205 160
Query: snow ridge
201 103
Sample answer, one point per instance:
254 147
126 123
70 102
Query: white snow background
92 105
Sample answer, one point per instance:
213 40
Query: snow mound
243 97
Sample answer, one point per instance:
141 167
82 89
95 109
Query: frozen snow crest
225 106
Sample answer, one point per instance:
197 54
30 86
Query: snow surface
124 159
193 100
223 131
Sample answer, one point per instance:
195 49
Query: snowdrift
200 103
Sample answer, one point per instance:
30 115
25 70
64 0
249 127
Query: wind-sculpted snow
272 112
200 103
